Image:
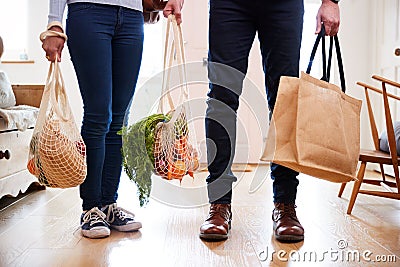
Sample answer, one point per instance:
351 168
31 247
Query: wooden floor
42 229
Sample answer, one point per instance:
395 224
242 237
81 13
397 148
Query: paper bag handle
327 69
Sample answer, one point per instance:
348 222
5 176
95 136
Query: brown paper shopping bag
315 126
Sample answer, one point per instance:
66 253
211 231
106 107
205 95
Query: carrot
31 166
170 170
176 170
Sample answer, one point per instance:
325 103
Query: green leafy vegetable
138 153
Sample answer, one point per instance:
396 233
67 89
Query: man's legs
231 34
280 27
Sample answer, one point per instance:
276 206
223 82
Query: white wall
37 73
354 35
357 48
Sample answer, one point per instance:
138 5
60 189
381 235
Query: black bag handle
327 68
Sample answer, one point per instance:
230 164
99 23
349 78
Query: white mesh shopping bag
57 154
162 143
174 154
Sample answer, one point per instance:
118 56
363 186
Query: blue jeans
232 28
105 43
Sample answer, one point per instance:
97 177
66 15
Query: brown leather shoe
218 223
287 227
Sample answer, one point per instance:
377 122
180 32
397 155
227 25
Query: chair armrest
385 80
377 90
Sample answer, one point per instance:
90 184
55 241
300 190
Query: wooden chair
377 156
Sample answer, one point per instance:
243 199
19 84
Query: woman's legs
127 47
105 43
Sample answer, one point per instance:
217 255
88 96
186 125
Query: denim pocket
79 7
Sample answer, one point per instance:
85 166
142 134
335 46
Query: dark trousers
105 43
232 28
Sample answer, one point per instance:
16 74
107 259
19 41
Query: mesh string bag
174 154
57 154
162 143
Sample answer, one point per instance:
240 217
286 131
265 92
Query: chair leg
356 187
382 172
341 189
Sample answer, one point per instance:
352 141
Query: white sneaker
94 225
121 219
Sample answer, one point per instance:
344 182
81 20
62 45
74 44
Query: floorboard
42 229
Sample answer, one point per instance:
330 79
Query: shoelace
114 211
94 216
288 210
217 210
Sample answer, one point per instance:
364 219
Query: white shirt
57 7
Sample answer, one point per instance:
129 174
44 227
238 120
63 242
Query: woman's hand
53 45
174 7
329 15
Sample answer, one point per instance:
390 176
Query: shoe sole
213 237
131 227
289 238
96 232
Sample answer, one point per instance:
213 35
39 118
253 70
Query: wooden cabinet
14 177
17 145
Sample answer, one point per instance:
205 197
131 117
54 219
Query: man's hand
174 7
53 45
329 15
